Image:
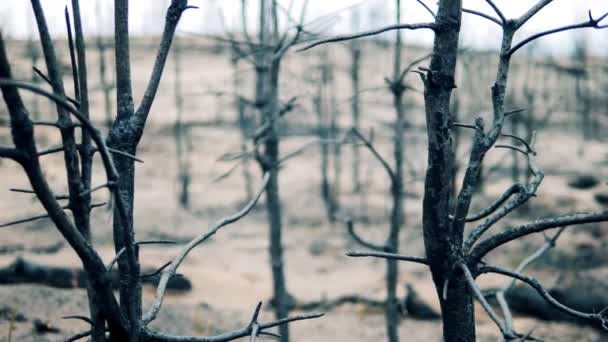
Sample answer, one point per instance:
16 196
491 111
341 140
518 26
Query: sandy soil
231 273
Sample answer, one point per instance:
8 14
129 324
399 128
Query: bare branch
427 8
509 147
350 226
375 152
550 243
60 148
461 125
531 12
155 272
25 220
528 148
514 189
138 243
393 256
229 172
430 26
601 317
590 23
72 50
80 318
515 111
230 336
412 65
537 226
92 190
507 334
78 336
28 191
500 294
170 271
471 178
483 15
173 16
497 10
523 195
42 75
95 134
124 154
42 216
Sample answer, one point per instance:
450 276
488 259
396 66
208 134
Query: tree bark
442 243
267 101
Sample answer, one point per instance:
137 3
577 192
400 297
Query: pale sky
330 16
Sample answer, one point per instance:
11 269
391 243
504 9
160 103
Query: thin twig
484 303
350 226
497 10
394 256
427 8
29 191
601 316
482 15
233 335
430 26
590 23
138 243
375 152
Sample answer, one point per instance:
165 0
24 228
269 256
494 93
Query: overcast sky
328 16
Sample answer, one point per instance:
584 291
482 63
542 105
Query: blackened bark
267 67
273 201
442 244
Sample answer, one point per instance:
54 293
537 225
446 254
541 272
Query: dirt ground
231 273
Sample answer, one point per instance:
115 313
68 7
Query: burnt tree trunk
355 75
320 100
181 133
267 71
442 244
392 243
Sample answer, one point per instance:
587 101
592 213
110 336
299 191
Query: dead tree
265 54
334 129
111 319
397 86
455 260
325 114
355 77
183 141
